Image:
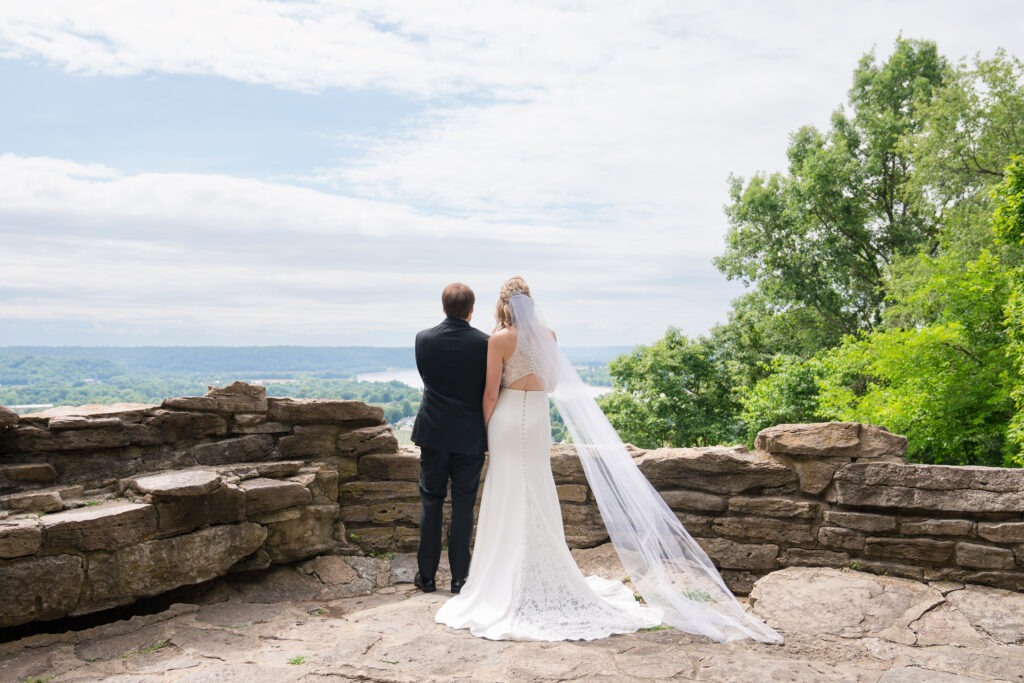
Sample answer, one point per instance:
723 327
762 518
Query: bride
523 583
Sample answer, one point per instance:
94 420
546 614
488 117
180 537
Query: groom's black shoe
425 585
457 585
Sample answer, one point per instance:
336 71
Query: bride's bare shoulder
505 338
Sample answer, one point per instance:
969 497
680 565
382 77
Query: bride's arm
495 361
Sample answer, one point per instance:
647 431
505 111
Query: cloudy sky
243 172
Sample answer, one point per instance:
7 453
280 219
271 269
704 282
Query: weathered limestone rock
309 533
201 403
314 441
817 451
34 501
922 549
19 537
826 439
681 499
600 561
566 466
281 468
814 473
223 505
100 527
584 527
765 530
1002 532
321 411
861 521
997 613
378 439
572 493
40 473
241 449
937 527
24 598
31 439
79 422
339 578
176 425
261 428
96 469
239 397
265 495
931 487
177 484
819 601
799 557
837 537
158 566
128 412
371 492
8 418
978 556
716 469
774 507
401 466
728 554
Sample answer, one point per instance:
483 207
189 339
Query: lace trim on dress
519 365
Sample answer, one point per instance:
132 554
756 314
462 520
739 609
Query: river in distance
411 377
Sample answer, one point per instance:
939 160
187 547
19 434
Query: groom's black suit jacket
452 360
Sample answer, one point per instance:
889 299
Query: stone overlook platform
236 499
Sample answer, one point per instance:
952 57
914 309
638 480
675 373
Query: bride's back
518 369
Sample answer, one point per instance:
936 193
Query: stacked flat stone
102 505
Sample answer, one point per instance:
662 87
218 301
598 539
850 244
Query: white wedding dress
523 582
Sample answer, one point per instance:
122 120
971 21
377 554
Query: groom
449 429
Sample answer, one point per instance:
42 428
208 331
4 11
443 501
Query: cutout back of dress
518 365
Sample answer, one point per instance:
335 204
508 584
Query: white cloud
583 144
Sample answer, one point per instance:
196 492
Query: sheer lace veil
665 564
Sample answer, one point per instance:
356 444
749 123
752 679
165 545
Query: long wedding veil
665 564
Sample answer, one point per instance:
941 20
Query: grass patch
657 628
161 644
381 556
297 659
699 596
90 503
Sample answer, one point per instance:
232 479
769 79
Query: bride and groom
491 393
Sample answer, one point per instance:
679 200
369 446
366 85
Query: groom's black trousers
436 468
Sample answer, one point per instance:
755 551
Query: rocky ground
358 619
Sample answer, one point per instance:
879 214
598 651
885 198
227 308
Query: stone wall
830 495
102 505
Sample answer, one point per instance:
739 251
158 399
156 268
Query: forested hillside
79 375
884 268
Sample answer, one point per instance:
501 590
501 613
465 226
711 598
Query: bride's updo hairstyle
503 312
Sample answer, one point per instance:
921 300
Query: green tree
970 130
788 395
946 385
822 235
675 392
1009 226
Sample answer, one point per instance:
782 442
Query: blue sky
224 172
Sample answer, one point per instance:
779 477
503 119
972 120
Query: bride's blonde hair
503 312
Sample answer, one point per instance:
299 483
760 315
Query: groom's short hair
457 300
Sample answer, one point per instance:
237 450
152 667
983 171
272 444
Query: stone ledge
830 439
102 527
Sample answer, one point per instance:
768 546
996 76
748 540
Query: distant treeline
268 362
80 375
